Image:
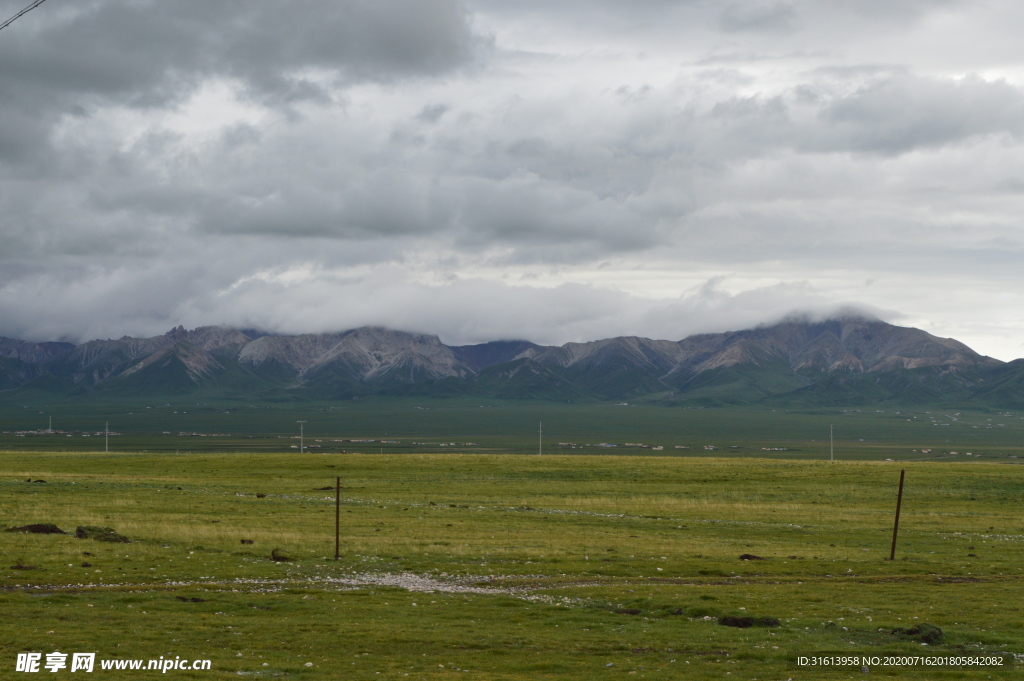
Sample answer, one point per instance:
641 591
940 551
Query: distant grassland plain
479 561
409 425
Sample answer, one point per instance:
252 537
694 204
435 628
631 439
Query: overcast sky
555 171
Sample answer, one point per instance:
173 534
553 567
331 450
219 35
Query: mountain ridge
851 359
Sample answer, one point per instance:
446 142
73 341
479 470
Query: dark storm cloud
144 50
65 65
65 60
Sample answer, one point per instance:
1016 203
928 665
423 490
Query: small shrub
924 632
91 531
107 534
702 612
744 622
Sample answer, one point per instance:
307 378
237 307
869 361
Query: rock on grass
38 528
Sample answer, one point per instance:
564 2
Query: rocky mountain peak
177 334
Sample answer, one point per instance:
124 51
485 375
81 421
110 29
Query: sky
556 171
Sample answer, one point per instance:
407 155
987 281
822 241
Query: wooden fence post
896 525
337 518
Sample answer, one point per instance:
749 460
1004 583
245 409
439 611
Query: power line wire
22 12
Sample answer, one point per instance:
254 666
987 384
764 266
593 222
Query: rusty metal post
896 525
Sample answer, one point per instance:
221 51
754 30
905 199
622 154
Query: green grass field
490 566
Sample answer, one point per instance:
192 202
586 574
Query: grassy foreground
554 567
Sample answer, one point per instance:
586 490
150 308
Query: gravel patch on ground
413 582
404 580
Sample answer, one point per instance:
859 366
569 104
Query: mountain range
849 360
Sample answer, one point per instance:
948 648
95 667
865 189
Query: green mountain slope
1003 387
738 384
526 379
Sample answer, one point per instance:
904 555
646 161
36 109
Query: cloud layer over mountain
486 169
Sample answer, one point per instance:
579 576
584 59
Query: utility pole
302 442
831 448
540 439
106 437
